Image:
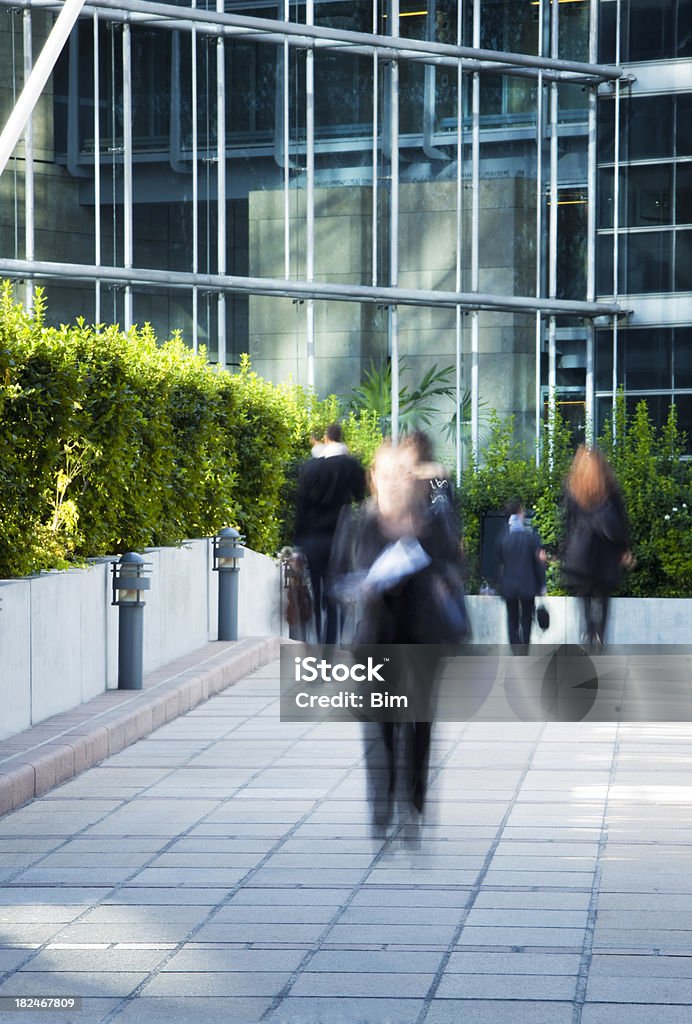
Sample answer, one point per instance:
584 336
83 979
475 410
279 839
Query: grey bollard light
129 583
228 550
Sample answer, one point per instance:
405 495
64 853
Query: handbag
542 616
450 605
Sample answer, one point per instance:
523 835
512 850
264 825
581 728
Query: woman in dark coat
597 538
405 546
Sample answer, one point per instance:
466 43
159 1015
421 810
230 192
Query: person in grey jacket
522 560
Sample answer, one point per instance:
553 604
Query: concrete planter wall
59 631
632 620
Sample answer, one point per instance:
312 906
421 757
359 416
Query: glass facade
644 245
321 184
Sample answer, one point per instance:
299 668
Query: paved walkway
222 870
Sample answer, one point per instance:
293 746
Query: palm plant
418 407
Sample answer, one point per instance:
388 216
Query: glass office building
499 185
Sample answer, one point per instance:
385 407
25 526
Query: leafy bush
112 442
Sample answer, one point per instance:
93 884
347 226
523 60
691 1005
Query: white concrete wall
632 620
59 631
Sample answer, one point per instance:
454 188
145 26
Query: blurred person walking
521 560
328 481
403 552
597 538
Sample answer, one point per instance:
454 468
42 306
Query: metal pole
168 16
28 164
475 231
195 185
97 169
552 226
591 227
375 149
228 604
221 187
300 290
459 254
310 195
616 213
540 133
127 171
130 647
394 224
286 147
36 82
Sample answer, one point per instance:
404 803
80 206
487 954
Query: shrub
112 442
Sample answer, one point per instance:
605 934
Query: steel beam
391 47
300 290
36 81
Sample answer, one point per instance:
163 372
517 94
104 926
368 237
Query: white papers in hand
399 560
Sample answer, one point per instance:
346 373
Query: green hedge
111 442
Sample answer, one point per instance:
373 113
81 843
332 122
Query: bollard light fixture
130 579
228 550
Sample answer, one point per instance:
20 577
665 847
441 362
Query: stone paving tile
128 931
20 895
527 918
119 915
244 914
216 983
639 990
289 896
654 920
410 896
191 1010
522 936
621 966
375 961
534 987
95 961
653 937
231 932
400 915
392 934
11 959
477 1011
343 984
626 1013
303 1010
141 896
189 876
52 913
540 879
22 932
532 900
227 958
508 964
71 983
70 876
